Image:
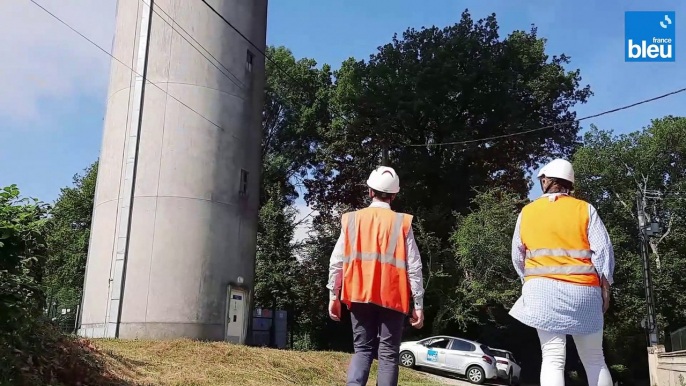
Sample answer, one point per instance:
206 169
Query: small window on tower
244 183
249 60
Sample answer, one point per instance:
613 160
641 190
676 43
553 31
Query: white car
508 368
446 353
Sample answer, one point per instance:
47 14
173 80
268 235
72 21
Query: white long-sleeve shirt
561 307
414 264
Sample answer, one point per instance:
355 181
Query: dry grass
191 363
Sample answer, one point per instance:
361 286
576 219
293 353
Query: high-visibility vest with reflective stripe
555 234
375 261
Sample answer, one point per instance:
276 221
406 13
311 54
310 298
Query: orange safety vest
375 259
555 234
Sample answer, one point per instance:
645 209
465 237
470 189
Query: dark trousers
369 322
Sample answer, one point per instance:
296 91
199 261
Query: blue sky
51 115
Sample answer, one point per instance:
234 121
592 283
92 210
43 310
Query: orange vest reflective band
555 234
375 259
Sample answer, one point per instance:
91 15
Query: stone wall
666 369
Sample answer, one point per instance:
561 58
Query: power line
233 80
278 66
266 56
546 127
457 142
236 29
122 63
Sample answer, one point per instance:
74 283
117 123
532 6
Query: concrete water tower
172 249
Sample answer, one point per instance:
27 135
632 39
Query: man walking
376 267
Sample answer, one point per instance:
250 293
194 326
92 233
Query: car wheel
407 359
475 374
510 381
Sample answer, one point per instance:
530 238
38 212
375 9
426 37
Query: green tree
276 260
22 255
32 351
67 239
481 244
478 296
437 85
610 171
313 328
295 113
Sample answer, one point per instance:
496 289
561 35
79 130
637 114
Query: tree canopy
67 239
610 171
448 85
433 86
22 255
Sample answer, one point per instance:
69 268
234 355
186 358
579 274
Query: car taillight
502 362
487 360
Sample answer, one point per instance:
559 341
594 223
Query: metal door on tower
235 321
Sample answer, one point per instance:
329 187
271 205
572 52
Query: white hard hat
558 168
384 179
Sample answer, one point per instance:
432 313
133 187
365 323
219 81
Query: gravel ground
448 380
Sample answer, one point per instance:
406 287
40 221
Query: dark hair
382 195
559 185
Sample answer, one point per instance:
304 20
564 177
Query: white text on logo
660 48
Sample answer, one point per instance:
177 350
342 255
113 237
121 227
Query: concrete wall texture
190 229
666 368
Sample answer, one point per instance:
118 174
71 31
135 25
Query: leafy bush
22 253
48 357
32 351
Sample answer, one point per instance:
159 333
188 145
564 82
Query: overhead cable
122 63
233 79
278 66
487 139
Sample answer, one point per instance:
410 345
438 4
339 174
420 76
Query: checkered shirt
561 307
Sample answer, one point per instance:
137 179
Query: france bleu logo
649 36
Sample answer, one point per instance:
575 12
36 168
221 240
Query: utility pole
643 228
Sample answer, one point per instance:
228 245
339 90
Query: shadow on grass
48 357
125 361
129 365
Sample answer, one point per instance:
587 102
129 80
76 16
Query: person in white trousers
562 253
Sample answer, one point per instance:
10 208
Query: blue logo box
649 36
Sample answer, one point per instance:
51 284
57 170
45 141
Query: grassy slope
190 363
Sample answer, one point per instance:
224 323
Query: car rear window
439 343
486 350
